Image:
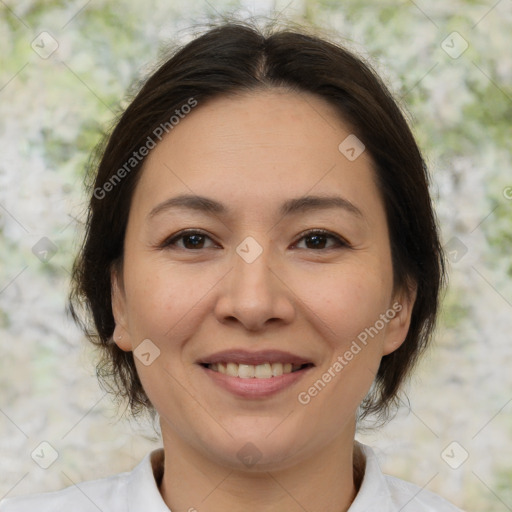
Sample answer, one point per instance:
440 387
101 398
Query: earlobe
399 326
121 340
120 335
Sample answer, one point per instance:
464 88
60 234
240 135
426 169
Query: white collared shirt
137 491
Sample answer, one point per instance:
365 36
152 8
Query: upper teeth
248 371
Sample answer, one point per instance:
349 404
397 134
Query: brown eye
318 239
192 239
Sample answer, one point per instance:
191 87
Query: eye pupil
316 237
188 237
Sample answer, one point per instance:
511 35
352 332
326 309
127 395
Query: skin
252 152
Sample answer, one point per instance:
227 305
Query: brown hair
236 57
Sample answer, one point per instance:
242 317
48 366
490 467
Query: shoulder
118 493
384 493
91 496
408 497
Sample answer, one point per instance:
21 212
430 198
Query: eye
193 239
319 236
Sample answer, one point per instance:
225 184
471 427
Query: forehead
255 148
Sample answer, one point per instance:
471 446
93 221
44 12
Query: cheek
345 300
164 305
348 305
346 316
162 299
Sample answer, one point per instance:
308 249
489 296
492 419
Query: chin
258 452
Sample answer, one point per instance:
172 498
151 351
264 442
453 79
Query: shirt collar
142 488
373 494
143 493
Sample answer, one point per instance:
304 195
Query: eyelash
171 241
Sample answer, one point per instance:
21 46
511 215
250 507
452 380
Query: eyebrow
289 207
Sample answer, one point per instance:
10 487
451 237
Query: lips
255 375
245 357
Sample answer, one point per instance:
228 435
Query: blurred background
65 69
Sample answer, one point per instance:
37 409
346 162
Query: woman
262 267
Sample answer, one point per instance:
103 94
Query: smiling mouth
260 371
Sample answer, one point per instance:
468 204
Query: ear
121 336
398 327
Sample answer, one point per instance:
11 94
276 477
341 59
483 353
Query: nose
255 293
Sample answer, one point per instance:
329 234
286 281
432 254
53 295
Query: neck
324 482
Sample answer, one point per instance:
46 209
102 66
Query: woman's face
247 284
